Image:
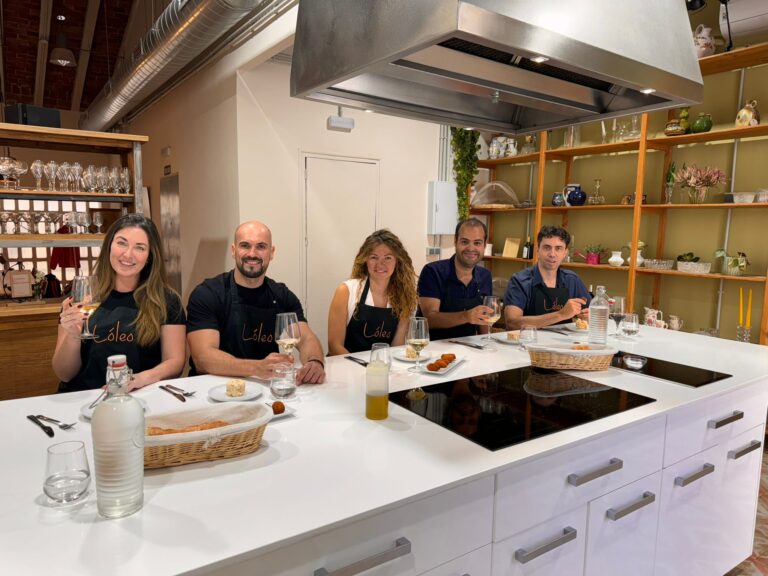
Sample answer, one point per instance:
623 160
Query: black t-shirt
113 324
211 307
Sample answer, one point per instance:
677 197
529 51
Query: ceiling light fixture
648 90
61 55
539 59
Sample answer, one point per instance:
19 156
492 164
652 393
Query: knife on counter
357 360
469 344
171 392
47 429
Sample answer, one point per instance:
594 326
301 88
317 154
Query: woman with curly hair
375 304
140 315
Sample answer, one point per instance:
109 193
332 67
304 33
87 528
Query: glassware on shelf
18 169
84 220
36 168
89 179
114 181
6 168
98 221
49 170
75 173
125 180
16 218
35 218
596 198
5 217
62 173
102 179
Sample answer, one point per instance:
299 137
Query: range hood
510 66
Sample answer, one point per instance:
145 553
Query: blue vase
574 195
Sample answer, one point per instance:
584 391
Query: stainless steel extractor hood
509 66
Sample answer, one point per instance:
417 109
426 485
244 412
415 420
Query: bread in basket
241 435
576 356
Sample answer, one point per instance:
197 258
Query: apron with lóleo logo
449 304
545 300
250 330
369 324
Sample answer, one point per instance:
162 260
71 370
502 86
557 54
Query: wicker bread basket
242 436
570 356
548 384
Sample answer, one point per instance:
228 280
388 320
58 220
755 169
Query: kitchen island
329 488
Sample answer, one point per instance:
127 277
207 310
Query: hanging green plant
464 145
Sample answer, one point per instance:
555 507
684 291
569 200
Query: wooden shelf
64 139
497 210
593 150
508 259
50 240
519 159
740 206
587 207
666 142
595 266
709 276
734 60
26 194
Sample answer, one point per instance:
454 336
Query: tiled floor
757 564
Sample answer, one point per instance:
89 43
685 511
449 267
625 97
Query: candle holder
743 333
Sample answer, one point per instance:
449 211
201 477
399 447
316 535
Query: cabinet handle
402 547
579 479
737 415
685 480
614 514
736 454
522 555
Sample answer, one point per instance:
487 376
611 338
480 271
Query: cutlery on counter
357 360
180 390
58 423
178 395
99 398
47 429
469 344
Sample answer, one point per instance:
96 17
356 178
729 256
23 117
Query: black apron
369 324
545 300
250 330
448 304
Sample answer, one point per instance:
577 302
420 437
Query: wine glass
494 304
37 171
125 180
114 181
287 332
98 221
417 338
84 295
616 311
49 170
5 217
528 335
84 220
75 172
62 173
19 169
630 325
89 179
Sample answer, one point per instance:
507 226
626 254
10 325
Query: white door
340 211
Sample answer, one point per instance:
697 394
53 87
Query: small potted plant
733 265
593 252
689 262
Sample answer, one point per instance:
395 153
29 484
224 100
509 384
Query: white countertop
322 467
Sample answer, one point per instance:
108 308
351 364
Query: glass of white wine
417 338
287 332
494 304
85 296
630 325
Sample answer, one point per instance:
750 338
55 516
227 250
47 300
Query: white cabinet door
553 548
476 563
689 521
621 530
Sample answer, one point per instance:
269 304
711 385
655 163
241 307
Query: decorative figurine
749 115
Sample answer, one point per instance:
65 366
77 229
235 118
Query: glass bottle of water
117 427
598 317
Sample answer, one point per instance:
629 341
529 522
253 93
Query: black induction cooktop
665 370
505 408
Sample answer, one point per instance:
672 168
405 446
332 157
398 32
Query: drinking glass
377 382
287 332
616 312
417 338
49 170
114 181
6 167
5 217
84 220
630 325
283 381
102 179
125 180
67 474
494 304
85 296
98 221
75 172
528 335
36 168
62 173
19 169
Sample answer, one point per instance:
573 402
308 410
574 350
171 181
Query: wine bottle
528 249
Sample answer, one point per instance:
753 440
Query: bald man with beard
231 317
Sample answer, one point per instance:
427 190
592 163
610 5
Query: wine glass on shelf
6 168
49 170
5 217
630 325
84 220
616 312
287 332
114 181
125 180
417 338
85 296
36 168
75 172
98 221
19 169
62 173
494 304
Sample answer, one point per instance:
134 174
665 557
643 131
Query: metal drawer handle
752 446
614 514
685 480
402 547
737 415
579 479
522 555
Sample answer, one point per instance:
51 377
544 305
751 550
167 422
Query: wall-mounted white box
442 212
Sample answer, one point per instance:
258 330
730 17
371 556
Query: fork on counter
58 423
181 390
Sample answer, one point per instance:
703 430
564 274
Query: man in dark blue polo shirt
451 291
545 294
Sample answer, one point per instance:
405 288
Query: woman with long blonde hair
375 304
140 315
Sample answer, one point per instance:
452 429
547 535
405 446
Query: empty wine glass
98 221
89 179
62 173
5 217
630 325
17 218
125 180
616 312
6 168
417 338
114 181
75 172
35 218
84 220
36 168
528 335
85 296
49 170
287 332
494 304
19 169
102 179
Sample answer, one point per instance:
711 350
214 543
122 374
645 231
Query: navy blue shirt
520 288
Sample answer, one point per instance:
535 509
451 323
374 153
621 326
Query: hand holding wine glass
494 304
287 332
417 338
85 297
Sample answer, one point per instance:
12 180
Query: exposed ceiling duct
184 30
498 65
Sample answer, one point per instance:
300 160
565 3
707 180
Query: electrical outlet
433 251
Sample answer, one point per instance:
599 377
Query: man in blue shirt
545 294
451 291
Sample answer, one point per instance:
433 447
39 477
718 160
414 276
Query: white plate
571 327
87 412
289 411
400 355
443 371
219 393
501 337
